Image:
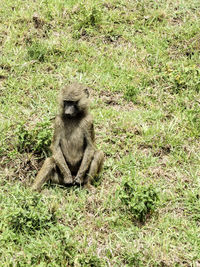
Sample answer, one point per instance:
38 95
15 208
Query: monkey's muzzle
70 111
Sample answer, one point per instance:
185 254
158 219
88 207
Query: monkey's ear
87 92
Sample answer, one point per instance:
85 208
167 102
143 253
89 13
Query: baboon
75 159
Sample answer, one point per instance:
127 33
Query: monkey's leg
57 178
95 167
44 174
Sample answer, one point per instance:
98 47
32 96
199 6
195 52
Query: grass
141 60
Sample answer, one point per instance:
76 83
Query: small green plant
86 20
30 214
90 260
183 78
192 204
140 200
193 121
132 259
131 93
89 17
37 51
36 140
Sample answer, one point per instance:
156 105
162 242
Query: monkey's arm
62 165
57 155
88 154
86 161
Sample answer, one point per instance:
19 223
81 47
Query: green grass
141 60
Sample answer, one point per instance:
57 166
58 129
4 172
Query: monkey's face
70 108
73 100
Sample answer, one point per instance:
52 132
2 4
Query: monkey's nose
69 110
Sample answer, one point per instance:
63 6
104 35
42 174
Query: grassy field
141 61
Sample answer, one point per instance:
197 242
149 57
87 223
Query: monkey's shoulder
89 119
58 123
87 122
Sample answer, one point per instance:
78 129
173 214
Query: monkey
75 158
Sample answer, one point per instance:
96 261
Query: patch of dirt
109 6
38 22
145 148
5 67
22 168
114 100
176 21
164 150
2 77
115 40
157 152
187 47
159 171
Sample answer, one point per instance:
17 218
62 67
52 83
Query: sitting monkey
75 159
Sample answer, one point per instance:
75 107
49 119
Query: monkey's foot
68 180
78 180
34 187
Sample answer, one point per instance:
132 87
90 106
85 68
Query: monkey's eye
69 103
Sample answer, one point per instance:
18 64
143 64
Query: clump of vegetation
192 204
36 140
90 260
140 200
29 214
86 20
182 78
132 258
131 93
31 222
37 51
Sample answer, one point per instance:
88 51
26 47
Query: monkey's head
74 100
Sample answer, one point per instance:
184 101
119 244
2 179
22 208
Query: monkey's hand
68 179
78 180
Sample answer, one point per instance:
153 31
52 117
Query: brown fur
75 158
